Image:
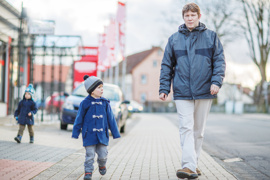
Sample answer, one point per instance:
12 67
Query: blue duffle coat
94 119
24 107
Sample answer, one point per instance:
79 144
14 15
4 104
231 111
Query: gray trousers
192 116
102 153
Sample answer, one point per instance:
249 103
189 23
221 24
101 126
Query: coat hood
184 30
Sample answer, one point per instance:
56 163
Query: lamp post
265 90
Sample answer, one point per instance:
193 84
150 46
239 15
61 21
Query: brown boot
198 172
186 173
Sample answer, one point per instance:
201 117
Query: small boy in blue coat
94 119
24 114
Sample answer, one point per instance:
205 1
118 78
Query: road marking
233 160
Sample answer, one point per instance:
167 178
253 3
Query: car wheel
122 129
63 126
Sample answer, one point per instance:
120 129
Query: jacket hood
184 30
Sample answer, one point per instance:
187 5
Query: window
143 79
160 52
155 63
143 97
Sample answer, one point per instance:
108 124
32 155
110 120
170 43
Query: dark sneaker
102 170
87 176
198 172
186 173
18 139
31 139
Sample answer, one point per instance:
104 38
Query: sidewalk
47 118
151 150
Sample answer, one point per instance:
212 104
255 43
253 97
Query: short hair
191 7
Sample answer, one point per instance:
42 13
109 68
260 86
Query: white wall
3 107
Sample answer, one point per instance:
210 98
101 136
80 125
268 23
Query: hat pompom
85 77
30 85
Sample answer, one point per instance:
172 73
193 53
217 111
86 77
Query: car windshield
109 92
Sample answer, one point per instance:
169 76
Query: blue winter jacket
94 119
24 107
193 61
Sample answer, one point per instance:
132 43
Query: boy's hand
29 114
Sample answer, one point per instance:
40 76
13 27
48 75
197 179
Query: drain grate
233 160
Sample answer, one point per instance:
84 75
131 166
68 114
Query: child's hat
91 83
30 89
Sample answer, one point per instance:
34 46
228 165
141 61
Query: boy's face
191 19
27 95
97 93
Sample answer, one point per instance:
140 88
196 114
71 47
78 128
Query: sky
146 27
88 18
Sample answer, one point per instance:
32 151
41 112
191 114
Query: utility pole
20 60
32 60
265 90
43 75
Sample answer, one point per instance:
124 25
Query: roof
134 59
10 8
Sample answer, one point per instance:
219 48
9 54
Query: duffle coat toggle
96 116
100 103
99 130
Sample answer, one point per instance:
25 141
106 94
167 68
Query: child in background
94 118
24 114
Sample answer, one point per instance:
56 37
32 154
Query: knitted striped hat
91 83
30 89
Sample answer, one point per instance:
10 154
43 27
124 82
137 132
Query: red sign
87 65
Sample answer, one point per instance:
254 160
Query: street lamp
265 91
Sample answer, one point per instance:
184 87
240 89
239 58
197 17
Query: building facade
142 80
9 32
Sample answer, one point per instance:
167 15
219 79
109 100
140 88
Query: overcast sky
88 18
146 27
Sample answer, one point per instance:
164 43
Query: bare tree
220 17
257 34
217 15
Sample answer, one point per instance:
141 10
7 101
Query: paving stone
150 150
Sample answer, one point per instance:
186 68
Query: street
238 136
150 149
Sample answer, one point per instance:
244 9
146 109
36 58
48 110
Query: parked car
52 102
110 91
134 106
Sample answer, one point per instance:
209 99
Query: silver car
110 91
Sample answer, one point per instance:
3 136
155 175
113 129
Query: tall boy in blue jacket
24 114
94 118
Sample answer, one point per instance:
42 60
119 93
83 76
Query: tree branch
250 32
268 32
